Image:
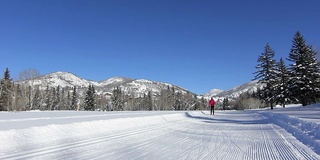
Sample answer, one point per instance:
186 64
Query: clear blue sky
198 45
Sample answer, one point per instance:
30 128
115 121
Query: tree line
299 82
21 97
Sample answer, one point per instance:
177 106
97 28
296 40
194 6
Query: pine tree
48 99
225 103
6 97
304 71
74 99
90 99
117 100
281 85
149 101
53 99
266 74
177 101
57 99
62 103
36 98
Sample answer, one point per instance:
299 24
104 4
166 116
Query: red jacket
212 102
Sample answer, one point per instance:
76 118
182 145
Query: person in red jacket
211 104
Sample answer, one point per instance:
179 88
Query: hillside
137 87
234 92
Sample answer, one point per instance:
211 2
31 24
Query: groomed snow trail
192 135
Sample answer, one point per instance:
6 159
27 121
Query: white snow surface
136 87
62 79
290 133
234 92
114 80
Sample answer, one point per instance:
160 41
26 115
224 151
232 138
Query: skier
211 104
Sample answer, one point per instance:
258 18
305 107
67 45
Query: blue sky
198 45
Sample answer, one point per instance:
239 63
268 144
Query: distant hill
138 87
234 92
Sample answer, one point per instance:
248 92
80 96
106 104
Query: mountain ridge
235 92
138 87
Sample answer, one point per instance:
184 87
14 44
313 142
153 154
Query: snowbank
305 131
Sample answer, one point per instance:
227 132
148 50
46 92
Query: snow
289 133
114 80
213 92
136 87
62 79
234 92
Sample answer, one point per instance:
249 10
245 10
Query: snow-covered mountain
136 87
213 93
234 92
143 86
62 79
115 81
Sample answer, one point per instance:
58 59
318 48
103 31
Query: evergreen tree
6 97
281 85
196 105
172 98
47 99
149 101
36 98
53 99
304 71
177 101
117 100
57 99
225 103
74 99
266 74
90 99
62 103
203 104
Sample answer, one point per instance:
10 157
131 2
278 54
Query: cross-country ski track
227 135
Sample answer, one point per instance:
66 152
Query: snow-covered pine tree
266 74
304 71
281 85
89 101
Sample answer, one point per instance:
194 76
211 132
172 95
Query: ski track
227 135
66 146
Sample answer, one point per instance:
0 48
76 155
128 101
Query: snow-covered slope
115 81
213 93
62 79
235 92
136 87
143 86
